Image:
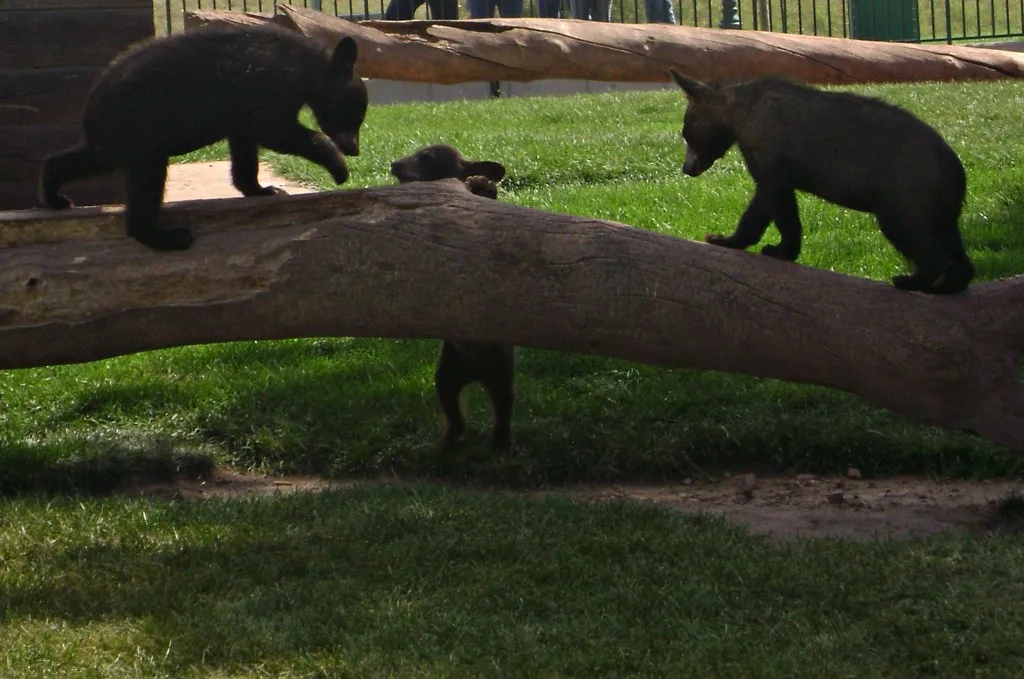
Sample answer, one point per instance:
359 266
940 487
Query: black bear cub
169 96
851 150
462 363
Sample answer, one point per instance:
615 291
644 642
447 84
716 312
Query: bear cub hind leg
460 364
81 162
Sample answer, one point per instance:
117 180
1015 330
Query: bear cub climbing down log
168 96
851 150
462 363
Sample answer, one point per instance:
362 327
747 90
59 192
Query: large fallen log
431 260
534 49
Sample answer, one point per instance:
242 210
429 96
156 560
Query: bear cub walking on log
169 96
462 363
851 150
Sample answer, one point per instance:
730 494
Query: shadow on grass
388 578
365 408
102 441
409 577
578 419
97 468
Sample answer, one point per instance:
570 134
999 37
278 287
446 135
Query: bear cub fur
168 96
851 150
462 363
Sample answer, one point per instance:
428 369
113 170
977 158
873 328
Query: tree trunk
431 260
534 49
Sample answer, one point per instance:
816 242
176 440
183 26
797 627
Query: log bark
431 260
448 52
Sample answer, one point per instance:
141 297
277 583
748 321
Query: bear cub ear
343 58
694 89
488 168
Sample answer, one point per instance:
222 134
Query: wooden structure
522 50
366 263
50 53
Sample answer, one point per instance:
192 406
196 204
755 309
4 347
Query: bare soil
198 181
783 507
805 505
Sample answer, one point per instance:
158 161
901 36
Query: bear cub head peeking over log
462 363
442 161
851 150
168 96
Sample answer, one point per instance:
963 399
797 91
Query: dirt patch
197 181
223 484
784 507
806 505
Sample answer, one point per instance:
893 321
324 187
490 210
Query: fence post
949 25
764 14
730 14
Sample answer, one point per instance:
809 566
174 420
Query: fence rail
894 20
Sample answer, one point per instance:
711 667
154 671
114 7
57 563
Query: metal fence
893 20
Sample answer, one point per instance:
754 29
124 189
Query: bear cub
168 96
854 151
462 363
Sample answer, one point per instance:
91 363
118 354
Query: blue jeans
591 9
403 10
484 9
659 12
548 9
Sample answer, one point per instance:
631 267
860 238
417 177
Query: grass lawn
423 582
419 580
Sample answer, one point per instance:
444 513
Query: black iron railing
893 20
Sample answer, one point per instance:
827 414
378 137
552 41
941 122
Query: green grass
342 406
423 582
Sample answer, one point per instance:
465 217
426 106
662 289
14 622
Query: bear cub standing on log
462 363
169 96
851 150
